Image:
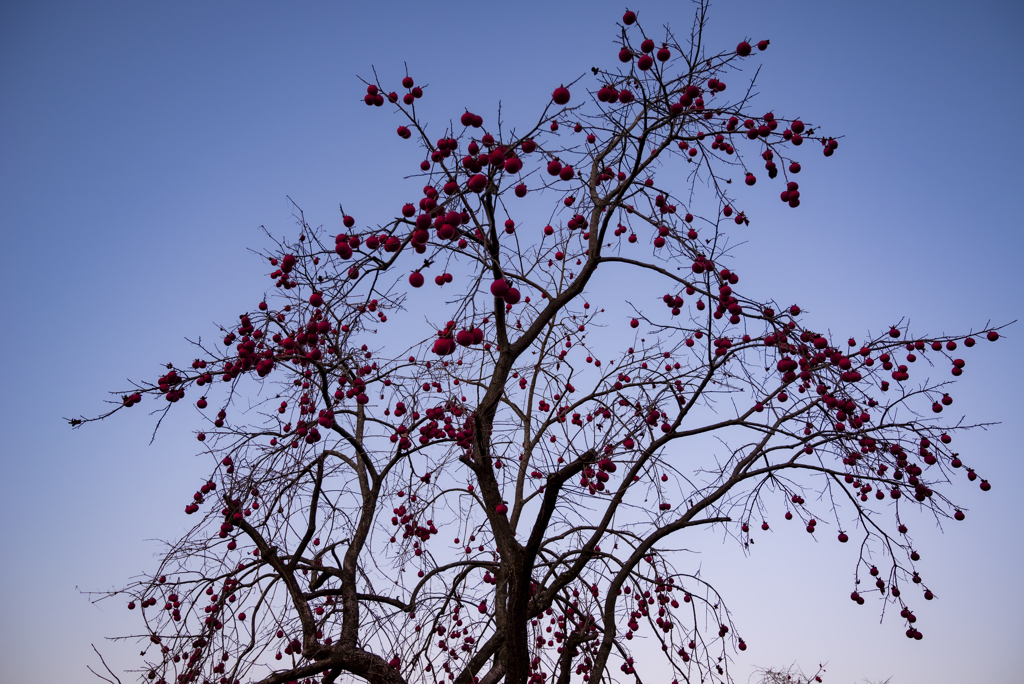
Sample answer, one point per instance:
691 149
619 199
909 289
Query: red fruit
407 82
645 62
664 54
343 250
501 509
521 190
959 515
416 279
762 45
634 323
625 54
843 538
743 49
482 607
348 221
201 403
985 486
404 133
316 299
500 288
629 18
751 179
477 183
464 338
797 126
992 336
444 346
560 96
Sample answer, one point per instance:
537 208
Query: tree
788 675
345 443
793 675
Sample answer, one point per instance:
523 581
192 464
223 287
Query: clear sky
142 146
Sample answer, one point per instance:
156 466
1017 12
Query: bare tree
793 675
787 675
496 497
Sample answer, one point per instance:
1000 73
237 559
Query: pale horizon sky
143 146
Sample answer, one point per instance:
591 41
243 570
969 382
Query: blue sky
143 145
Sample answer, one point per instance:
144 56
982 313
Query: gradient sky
142 146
